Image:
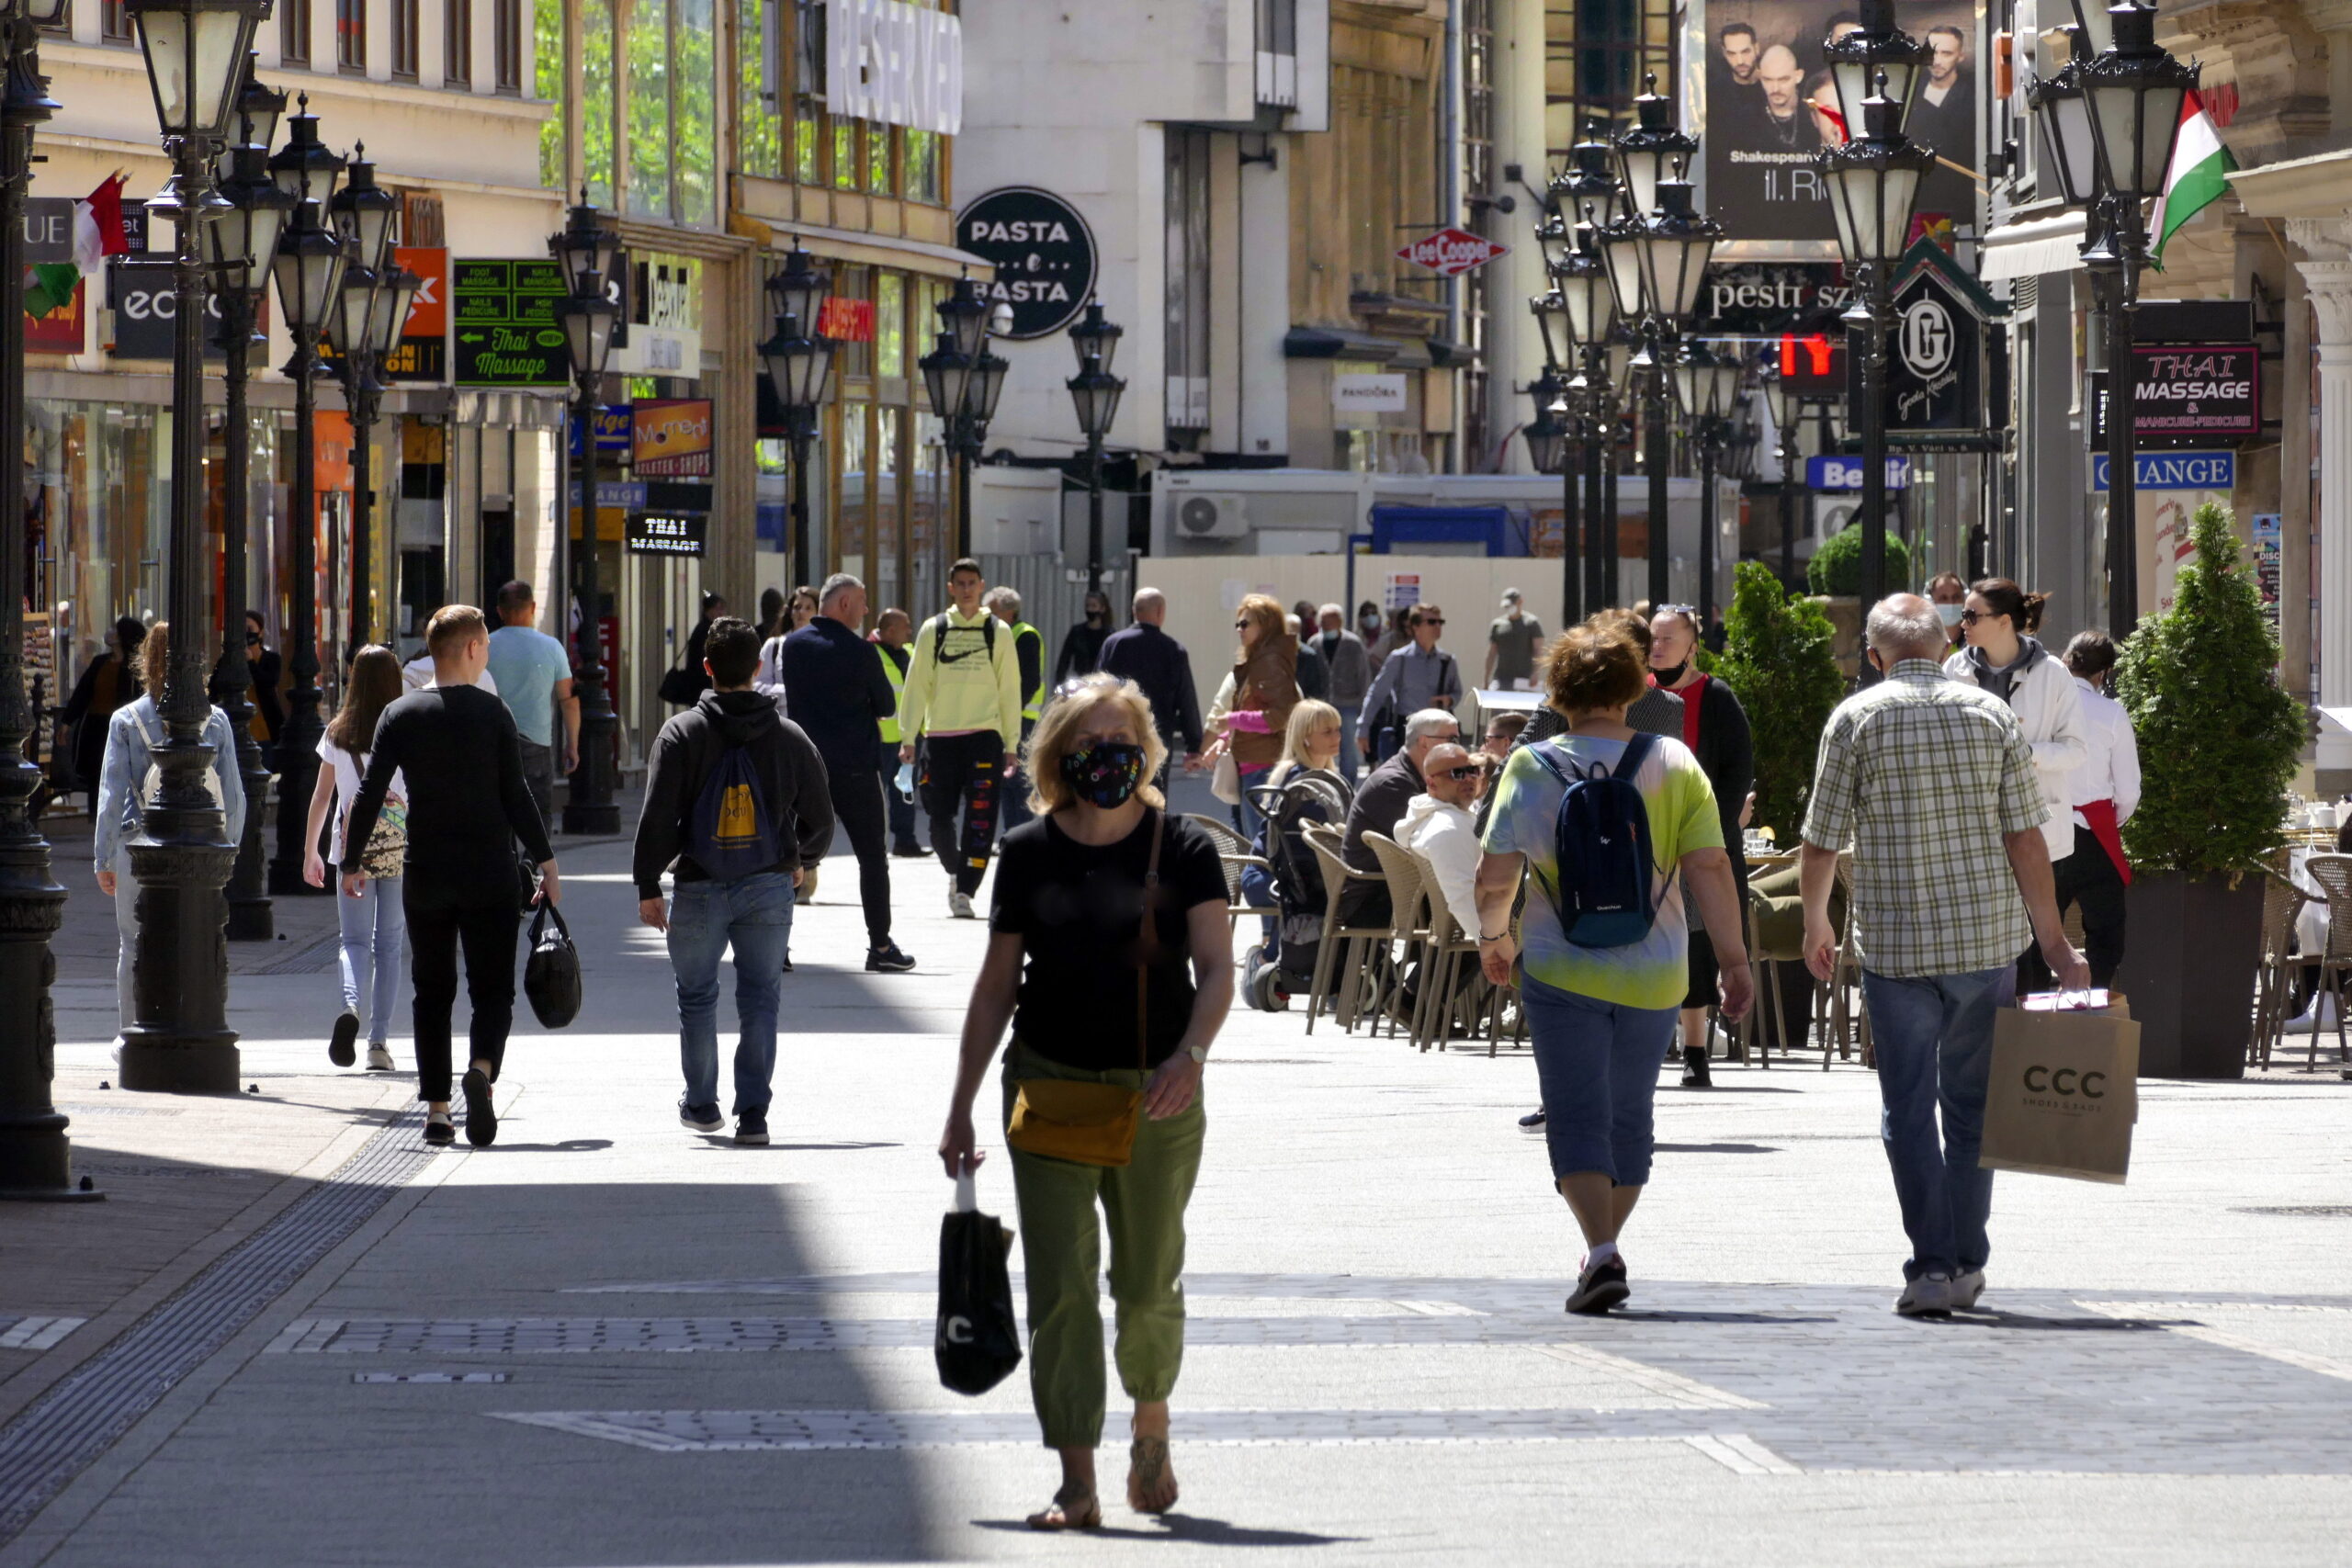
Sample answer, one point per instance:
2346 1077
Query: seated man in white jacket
1440 826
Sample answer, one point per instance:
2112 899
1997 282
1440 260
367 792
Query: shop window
597 153
405 39
293 28
547 78
648 111
760 89
457 42
694 110
672 111
808 144
890 326
845 155
877 160
854 359
507 39
1187 239
114 22
351 37
925 180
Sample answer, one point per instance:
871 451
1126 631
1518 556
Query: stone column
2328 279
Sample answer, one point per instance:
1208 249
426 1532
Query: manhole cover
2304 1210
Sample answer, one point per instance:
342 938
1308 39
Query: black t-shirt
1079 911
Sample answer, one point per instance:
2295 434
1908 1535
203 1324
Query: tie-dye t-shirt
1655 971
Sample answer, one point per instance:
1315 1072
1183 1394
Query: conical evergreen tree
1779 661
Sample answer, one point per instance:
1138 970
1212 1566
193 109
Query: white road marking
1684 1394
39 1333
2326 1366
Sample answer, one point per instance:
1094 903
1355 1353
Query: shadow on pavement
1187 1527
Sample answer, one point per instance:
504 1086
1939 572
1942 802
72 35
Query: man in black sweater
1157 664
456 749
747 906
836 689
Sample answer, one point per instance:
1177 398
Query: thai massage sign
2189 392
897 63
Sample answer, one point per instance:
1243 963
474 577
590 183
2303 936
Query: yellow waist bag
1093 1123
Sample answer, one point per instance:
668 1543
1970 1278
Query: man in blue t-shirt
534 677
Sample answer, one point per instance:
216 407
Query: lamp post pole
587 251
1791 455
36 1157
1571 468
2119 290
1875 294
1601 523
799 358
1094 392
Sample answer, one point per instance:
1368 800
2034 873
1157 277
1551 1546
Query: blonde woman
134 733
1311 741
1072 968
1253 705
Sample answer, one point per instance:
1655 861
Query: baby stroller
1271 972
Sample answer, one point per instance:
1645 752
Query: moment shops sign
894 62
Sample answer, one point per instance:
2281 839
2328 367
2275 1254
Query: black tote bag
551 974
978 1341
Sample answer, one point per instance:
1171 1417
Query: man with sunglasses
1419 675
1438 824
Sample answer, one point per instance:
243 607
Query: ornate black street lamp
1873 180
1094 392
1706 384
1787 408
179 1038
365 218
240 247
963 378
1550 451
1876 51
587 250
798 357
36 1158
308 272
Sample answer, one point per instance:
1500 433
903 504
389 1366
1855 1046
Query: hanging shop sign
1768 299
144 294
1374 392
1043 253
670 437
661 300
503 321
1450 253
615 428
846 321
1942 370
1834 472
2172 470
423 350
665 533
2188 393
893 63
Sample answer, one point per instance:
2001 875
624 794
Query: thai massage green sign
503 323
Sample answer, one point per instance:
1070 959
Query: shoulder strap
1637 751
1147 942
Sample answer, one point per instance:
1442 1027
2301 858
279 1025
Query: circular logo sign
1930 339
1043 253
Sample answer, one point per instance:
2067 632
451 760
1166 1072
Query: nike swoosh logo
946 657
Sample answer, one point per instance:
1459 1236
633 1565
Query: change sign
502 316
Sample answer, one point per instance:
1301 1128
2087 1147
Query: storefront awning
2032 248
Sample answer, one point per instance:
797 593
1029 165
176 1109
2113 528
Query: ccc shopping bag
978 1341
2065 1088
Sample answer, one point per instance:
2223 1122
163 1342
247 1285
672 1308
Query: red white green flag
2198 176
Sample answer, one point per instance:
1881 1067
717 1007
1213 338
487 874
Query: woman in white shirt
2005 659
2105 791
374 922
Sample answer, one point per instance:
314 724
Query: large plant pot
2188 968
1845 613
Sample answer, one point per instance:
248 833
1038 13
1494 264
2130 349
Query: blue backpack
732 832
1602 843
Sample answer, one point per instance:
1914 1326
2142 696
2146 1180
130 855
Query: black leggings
857 806
2089 879
440 919
963 769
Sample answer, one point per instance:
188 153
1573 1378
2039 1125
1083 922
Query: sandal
1151 1484
1069 1513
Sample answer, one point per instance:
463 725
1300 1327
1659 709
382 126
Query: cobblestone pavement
609 1341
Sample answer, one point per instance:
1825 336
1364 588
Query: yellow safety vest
1033 702
898 693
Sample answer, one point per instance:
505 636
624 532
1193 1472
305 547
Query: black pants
2089 877
1015 809
966 770
902 810
857 806
481 917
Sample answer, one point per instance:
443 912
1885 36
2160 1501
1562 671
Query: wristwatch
1198 1053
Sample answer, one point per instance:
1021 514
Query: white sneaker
1929 1295
1966 1289
379 1058
959 904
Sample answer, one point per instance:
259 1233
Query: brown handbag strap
1147 942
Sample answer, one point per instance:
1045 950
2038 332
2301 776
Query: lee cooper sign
1043 252
1450 253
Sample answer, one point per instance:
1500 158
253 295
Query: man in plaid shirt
1932 784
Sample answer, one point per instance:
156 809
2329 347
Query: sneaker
787 962
1599 1288
909 851
438 1133
751 1129
379 1058
482 1121
1929 1295
346 1031
1532 1122
701 1117
1966 1288
959 904
888 959
1694 1068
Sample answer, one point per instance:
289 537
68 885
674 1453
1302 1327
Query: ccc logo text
2066 1080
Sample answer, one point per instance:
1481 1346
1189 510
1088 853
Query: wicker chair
1409 930
2333 875
1445 986
2282 901
1234 853
1337 877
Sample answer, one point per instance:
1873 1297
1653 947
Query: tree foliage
2219 738
1835 568
1778 658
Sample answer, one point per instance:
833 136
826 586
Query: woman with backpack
1615 824
374 923
127 782
1110 956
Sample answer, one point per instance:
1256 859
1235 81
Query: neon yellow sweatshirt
958 682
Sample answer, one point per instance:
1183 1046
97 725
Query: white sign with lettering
897 63
1357 392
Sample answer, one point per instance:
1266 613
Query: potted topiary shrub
1777 660
1836 573
2218 740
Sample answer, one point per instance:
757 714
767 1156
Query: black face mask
1105 774
1668 676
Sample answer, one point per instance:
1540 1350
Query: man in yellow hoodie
962 700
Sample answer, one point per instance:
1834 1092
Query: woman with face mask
1109 955
1082 643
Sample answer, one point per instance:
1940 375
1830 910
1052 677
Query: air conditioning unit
1202 515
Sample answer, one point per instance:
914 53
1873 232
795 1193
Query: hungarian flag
97 234
2198 175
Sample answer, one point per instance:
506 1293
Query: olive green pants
1061 1249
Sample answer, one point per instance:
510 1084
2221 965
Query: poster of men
1769 105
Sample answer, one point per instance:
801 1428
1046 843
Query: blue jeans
1258 892
1934 1037
1597 1063
1349 717
753 914
372 927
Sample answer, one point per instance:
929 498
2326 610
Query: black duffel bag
978 1342
551 974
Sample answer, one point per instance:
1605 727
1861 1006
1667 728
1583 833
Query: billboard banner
1767 104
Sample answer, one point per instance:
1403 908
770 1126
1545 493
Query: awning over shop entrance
2032 247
